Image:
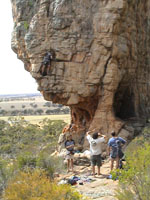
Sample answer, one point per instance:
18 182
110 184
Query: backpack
116 149
72 182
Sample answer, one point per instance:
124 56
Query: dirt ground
99 187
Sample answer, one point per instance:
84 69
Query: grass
37 118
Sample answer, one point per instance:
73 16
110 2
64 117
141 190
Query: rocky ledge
100 64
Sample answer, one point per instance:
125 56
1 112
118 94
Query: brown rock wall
101 63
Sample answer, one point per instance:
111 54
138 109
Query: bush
135 177
48 111
26 160
39 111
18 134
50 164
43 161
36 185
52 129
3 112
26 25
6 148
6 171
28 146
47 104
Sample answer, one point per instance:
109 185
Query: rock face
101 61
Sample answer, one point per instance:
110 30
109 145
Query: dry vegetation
38 118
30 105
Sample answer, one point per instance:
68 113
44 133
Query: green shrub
135 177
50 164
26 25
30 3
28 146
26 159
36 185
42 160
6 148
18 134
6 172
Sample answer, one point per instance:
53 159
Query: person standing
69 145
115 149
95 142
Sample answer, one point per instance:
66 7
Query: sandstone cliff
101 62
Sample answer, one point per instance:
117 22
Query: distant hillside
29 104
28 95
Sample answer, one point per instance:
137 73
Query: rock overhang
101 62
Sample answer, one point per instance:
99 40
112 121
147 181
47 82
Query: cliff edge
100 64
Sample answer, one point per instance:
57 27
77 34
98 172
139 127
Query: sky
13 77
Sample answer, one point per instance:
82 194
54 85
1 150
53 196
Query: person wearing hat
69 145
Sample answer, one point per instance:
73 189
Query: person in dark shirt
46 64
114 149
69 145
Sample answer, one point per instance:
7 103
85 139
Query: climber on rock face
46 64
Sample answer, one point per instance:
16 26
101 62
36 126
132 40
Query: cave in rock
82 114
124 103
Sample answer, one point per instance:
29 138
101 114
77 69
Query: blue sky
13 77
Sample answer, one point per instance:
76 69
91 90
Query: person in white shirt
95 148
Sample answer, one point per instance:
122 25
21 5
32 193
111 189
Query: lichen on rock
100 66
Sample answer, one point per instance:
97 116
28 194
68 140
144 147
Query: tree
28 112
39 111
3 112
48 111
47 104
15 112
23 106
